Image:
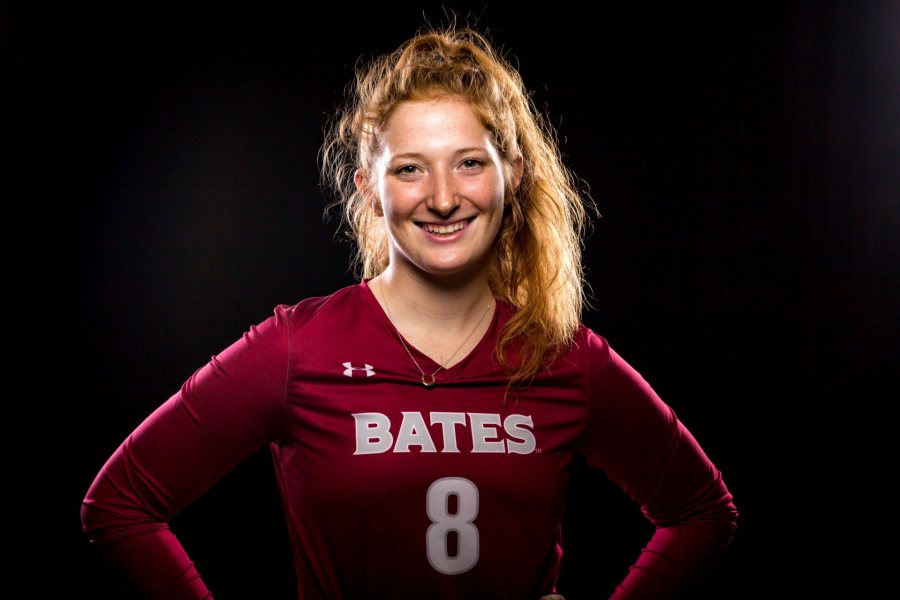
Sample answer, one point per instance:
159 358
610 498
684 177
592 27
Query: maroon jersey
391 488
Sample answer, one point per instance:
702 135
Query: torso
446 488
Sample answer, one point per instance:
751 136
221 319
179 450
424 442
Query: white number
437 505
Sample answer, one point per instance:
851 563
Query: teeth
444 229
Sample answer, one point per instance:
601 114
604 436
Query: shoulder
605 368
317 308
589 348
320 321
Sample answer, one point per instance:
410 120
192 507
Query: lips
441 229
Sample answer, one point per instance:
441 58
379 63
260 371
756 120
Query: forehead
438 121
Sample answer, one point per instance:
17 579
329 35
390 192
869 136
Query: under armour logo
349 368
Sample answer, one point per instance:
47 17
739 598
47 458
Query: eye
471 163
406 170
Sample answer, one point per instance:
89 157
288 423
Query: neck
417 298
443 317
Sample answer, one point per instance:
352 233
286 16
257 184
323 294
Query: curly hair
536 264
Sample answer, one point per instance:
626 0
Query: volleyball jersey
394 489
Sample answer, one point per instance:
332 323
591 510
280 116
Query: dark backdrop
744 159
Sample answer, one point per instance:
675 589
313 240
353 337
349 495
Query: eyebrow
455 152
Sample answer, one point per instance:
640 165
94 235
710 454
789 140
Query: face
439 182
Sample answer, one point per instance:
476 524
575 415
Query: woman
423 422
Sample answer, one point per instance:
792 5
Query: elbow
716 505
727 511
87 516
711 508
721 513
92 517
97 515
733 516
107 516
114 507
724 520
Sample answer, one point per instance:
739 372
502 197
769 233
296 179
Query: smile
444 229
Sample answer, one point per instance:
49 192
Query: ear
364 187
516 170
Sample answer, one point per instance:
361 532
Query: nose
443 199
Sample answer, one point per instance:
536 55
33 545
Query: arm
643 447
227 410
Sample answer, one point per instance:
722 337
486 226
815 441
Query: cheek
397 203
389 209
487 192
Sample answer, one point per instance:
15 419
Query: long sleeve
643 447
225 411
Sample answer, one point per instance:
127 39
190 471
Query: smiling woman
440 183
535 261
424 423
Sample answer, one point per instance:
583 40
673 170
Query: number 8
437 506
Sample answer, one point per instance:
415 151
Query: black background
745 161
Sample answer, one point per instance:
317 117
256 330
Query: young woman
423 422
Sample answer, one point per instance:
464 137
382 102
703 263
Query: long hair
536 264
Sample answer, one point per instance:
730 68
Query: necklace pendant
429 380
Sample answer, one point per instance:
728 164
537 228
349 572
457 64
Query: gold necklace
429 380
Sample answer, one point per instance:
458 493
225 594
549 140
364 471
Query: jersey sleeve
224 412
643 447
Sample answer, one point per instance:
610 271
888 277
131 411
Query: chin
467 269
460 265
